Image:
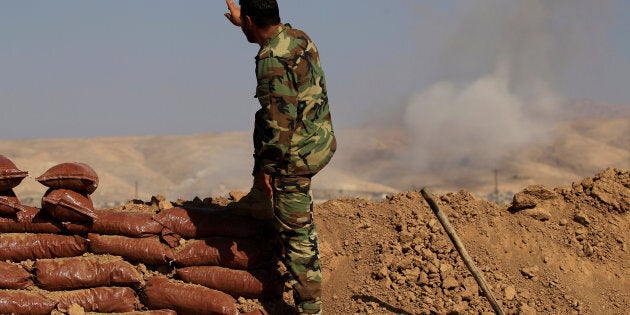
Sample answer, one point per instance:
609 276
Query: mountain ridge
367 164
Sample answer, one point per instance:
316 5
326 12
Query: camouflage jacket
293 132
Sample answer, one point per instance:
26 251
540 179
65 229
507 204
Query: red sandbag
74 176
199 222
10 175
9 203
68 205
85 272
28 213
186 298
30 220
226 252
148 250
19 246
261 283
14 276
77 228
101 299
25 302
112 222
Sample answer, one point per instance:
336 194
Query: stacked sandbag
148 250
190 223
260 283
25 302
243 253
222 251
9 203
186 298
86 272
115 222
68 197
15 217
38 238
213 237
100 283
30 220
94 283
98 299
67 255
10 177
18 247
235 266
217 256
25 233
14 276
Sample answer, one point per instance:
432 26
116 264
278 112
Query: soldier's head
258 15
263 13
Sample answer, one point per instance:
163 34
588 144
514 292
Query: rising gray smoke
491 76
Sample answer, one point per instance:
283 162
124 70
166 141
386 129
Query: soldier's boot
256 204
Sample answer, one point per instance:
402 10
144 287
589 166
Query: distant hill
369 163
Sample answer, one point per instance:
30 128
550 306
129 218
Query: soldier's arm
278 97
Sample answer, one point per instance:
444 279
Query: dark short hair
264 13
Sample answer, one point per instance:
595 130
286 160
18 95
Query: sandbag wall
178 260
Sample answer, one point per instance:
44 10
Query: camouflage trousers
293 219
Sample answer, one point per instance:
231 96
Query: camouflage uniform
293 140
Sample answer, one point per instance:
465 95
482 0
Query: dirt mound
560 251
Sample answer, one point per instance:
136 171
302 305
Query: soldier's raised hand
234 15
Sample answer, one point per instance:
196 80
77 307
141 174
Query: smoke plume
492 81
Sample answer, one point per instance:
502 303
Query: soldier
293 139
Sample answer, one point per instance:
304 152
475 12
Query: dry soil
561 250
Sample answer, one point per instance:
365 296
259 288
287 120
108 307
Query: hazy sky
77 68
